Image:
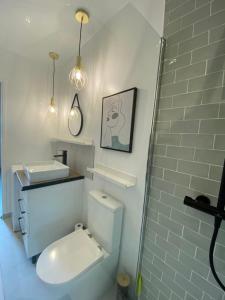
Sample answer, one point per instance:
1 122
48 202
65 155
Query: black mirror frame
81 114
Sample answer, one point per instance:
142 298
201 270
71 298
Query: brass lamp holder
54 56
52 102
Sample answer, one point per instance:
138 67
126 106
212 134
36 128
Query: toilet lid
68 258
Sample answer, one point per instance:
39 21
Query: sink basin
45 170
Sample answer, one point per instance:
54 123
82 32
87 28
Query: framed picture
117 126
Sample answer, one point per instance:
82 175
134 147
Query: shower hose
217 224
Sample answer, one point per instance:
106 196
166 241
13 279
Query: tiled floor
19 278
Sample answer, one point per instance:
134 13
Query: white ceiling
51 25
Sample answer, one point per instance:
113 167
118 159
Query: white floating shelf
115 176
76 141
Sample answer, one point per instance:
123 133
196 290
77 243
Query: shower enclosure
186 156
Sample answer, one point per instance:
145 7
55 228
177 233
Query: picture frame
117 123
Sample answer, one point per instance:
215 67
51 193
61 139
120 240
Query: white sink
45 170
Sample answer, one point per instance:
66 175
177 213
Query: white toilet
84 262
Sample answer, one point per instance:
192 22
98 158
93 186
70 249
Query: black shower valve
203 199
202 203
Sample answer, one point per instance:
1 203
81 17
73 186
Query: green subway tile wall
188 155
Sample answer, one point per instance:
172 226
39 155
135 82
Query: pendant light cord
53 79
81 26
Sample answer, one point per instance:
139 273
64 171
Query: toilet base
93 284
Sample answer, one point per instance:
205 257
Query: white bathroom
52 124
112 130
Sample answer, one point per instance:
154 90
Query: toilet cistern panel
105 215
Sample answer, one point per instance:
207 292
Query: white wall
122 55
27 124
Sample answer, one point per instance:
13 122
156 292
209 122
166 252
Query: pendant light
78 76
54 56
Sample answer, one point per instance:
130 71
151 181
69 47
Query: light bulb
78 76
52 107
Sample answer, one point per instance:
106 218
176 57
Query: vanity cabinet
48 213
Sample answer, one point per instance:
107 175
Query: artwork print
118 113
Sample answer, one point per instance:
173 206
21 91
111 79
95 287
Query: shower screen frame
149 161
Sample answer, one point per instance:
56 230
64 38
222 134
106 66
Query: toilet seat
69 257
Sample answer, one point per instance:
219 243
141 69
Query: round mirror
75 119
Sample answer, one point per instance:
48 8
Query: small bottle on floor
123 282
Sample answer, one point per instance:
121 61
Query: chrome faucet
63 155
